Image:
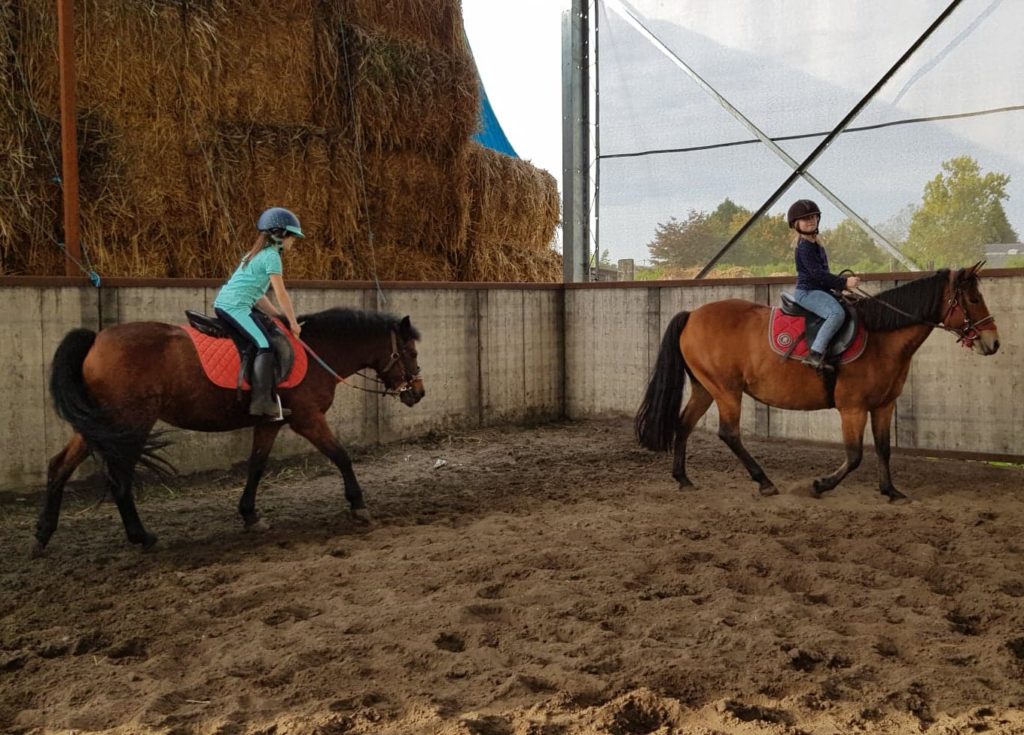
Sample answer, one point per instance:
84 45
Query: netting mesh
933 162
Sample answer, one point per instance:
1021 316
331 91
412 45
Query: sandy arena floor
541 581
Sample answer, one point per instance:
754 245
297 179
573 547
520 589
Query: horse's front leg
263 436
881 421
60 469
853 440
729 405
319 434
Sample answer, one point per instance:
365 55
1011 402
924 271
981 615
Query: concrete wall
493 355
954 400
488 356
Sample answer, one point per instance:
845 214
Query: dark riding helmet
801 208
279 221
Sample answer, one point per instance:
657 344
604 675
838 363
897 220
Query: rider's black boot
817 361
262 402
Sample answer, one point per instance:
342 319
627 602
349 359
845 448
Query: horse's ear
405 326
977 267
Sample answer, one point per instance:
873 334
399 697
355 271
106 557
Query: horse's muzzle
987 342
413 393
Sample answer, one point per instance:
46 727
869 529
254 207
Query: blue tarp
491 135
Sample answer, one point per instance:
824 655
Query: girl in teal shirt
246 290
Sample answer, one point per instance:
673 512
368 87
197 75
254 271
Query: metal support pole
68 135
575 143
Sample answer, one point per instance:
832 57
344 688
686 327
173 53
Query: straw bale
194 115
130 55
312 172
511 264
268 59
437 23
417 200
514 208
411 96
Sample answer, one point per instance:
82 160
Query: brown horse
723 347
112 387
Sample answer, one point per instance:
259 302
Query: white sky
518 51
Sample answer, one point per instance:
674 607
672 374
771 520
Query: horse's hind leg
697 406
61 467
729 431
263 436
120 477
853 440
319 434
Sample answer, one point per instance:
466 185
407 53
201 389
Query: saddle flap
791 307
209 325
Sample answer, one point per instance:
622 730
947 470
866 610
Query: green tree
961 212
768 241
683 244
850 247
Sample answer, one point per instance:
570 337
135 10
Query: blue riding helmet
279 218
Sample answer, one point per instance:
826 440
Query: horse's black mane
921 298
352 322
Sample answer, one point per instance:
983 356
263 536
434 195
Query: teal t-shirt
250 281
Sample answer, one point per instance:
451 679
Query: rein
966 334
406 385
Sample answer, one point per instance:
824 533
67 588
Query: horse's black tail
113 445
656 421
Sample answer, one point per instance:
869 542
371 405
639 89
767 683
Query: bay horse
723 347
114 385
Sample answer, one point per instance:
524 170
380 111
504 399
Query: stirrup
282 412
820 363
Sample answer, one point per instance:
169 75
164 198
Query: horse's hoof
897 498
149 541
766 491
362 515
37 550
254 522
685 484
258 525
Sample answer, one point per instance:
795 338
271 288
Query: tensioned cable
357 130
802 136
820 148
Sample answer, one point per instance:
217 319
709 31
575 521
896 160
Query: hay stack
195 115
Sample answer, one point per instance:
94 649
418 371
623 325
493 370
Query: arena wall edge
508 353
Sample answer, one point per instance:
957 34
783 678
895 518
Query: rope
359 159
86 268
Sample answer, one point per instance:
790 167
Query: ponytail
261 242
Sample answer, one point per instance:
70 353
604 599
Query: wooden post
68 134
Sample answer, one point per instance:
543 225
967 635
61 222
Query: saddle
215 360
792 330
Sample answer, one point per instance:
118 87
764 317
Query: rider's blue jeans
824 305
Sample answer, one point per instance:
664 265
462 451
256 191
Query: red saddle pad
220 361
784 330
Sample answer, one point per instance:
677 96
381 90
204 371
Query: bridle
966 334
396 354
970 330
407 378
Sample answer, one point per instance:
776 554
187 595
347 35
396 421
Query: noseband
407 378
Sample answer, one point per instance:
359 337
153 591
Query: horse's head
397 367
966 314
